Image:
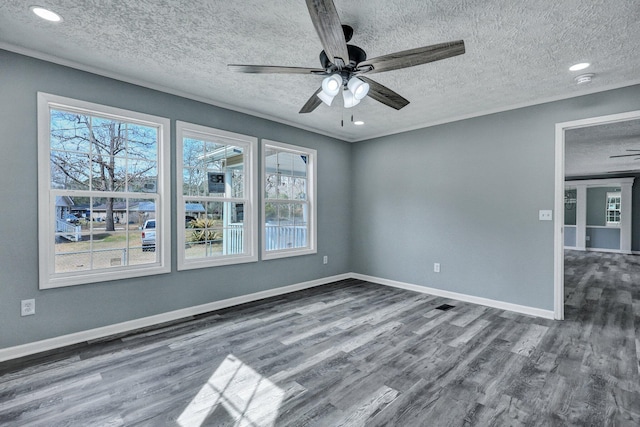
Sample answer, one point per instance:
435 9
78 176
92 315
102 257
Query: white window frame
613 194
46 231
250 199
311 200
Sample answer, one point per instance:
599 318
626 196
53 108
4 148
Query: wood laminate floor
355 353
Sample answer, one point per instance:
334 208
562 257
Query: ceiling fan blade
385 95
411 57
618 155
274 69
327 23
312 103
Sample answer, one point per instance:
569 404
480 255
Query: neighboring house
195 210
138 212
64 206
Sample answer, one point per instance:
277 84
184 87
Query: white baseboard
610 251
118 328
523 309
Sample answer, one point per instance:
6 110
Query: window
216 198
102 179
613 208
288 208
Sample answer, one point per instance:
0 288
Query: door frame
558 229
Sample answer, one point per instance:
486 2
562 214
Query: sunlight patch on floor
247 397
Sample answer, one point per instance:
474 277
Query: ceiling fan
345 65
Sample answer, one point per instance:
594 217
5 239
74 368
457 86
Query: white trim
604 182
531 311
558 238
612 251
250 229
312 179
47 277
131 325
558 228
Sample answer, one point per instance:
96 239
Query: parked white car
148 235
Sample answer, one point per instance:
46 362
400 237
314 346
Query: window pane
299 190
271 186
69 171
69 131
284 164
215 212
142 176
142 142
71 255
194 182
237 183
288 229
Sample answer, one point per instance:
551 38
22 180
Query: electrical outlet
436 267
27 307
325 259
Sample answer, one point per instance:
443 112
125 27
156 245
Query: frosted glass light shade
331 85
358 88
349 99
325 98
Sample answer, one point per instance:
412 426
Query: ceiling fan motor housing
356 56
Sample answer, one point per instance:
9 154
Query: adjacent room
286 213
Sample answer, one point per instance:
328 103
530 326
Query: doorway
614 123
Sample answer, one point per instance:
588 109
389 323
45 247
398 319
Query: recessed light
46 14
358 123
580 66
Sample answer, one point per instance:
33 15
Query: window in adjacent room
103 208
289 205
217 219
613 208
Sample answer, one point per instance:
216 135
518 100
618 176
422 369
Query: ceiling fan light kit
345 64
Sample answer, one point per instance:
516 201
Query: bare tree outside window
100 154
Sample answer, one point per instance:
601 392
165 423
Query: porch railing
69 231
285 236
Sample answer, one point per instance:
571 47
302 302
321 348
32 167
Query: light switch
545 215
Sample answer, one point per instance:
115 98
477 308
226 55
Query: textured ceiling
517 52
588 149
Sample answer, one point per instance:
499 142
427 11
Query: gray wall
467 195
66 310
570 236
603 238
597 203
